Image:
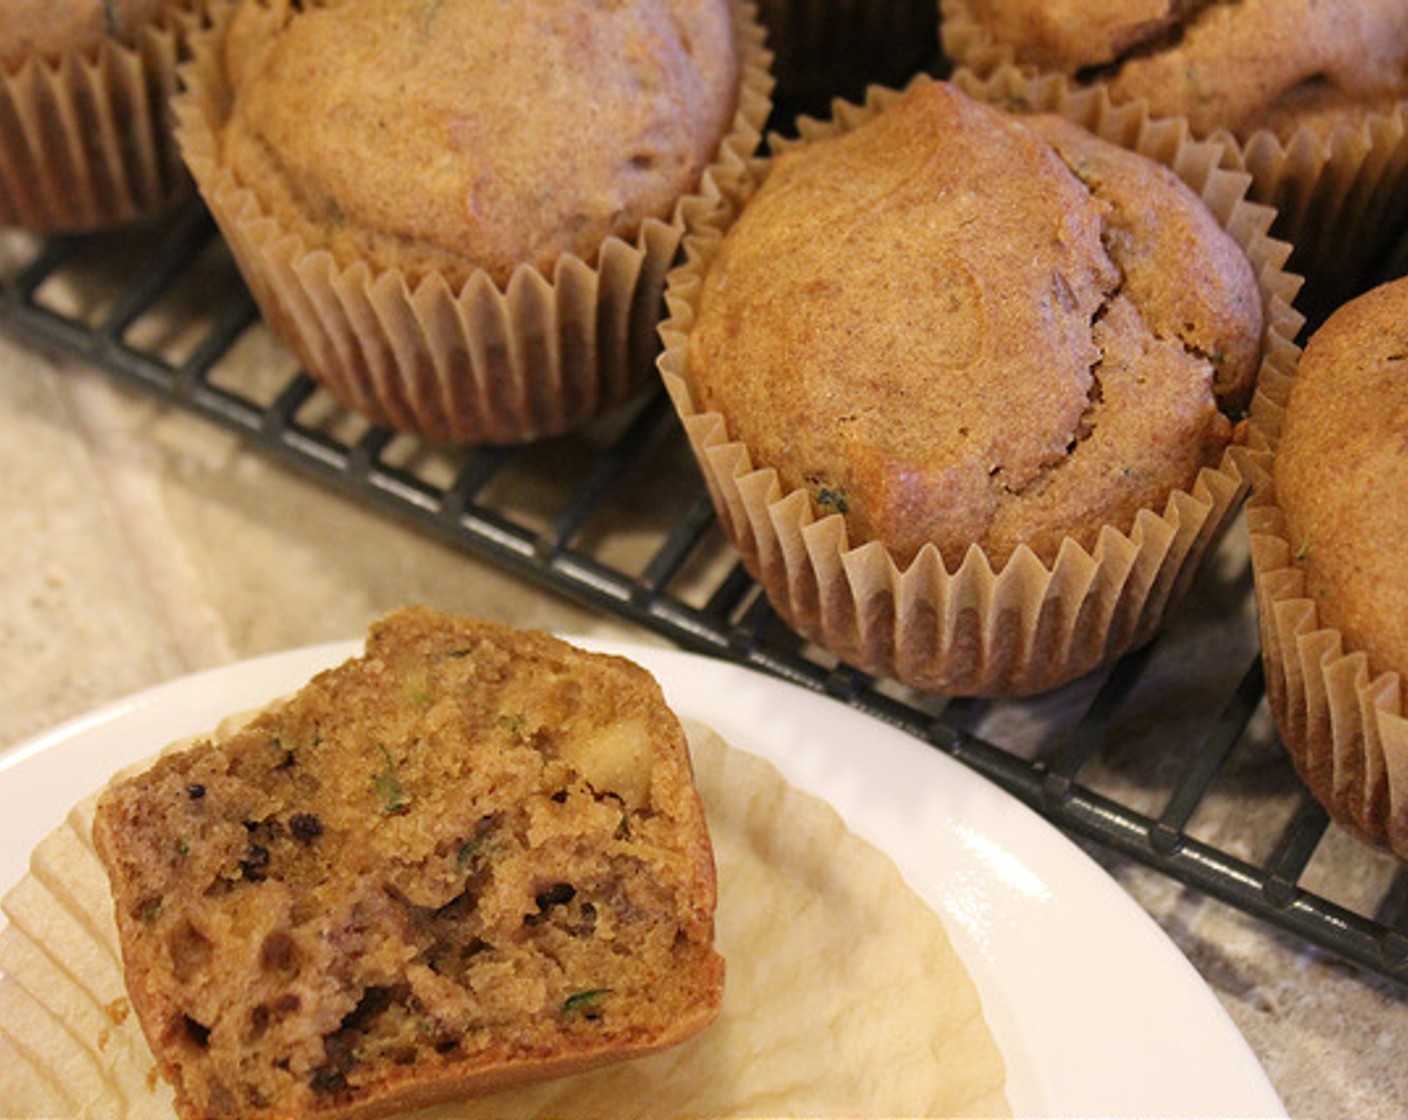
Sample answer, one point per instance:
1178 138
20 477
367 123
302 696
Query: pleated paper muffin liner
1344 726
70 1045
474 362
1027 627
823 48
1340 199
86 139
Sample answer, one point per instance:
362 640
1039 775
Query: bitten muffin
85 128
458 214
964 384
470 858
1312 97
1328 524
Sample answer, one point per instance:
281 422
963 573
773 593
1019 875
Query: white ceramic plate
1096 1012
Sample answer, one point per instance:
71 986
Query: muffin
471 858
835 48
1311 96
970 422
1327 523
858 944
85 129
459 216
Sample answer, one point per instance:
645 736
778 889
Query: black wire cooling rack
1168 758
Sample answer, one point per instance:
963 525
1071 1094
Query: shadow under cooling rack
1168 758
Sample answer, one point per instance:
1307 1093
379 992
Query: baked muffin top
453 135
50 28
1234 64
1069 35
1341 472
957 326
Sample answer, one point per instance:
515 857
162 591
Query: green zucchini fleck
828 498
466 852
585 1003
387 784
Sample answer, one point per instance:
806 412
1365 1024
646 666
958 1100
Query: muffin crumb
472 856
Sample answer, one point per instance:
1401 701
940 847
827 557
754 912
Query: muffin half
472 857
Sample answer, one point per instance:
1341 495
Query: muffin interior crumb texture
470 850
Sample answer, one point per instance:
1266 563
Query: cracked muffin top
446 135
960 327
1235 64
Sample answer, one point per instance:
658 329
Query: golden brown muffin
1276 64
470 858
1327 524
1341 472
459 216
454 136
961 383
958 328
85 131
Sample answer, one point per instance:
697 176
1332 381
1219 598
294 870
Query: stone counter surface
139 543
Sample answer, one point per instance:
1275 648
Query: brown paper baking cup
1340 199
1027 627
1344 726
70 1044
476 362
85 139
829 47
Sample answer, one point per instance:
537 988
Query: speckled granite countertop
138 543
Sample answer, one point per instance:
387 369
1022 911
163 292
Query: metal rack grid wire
94 297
